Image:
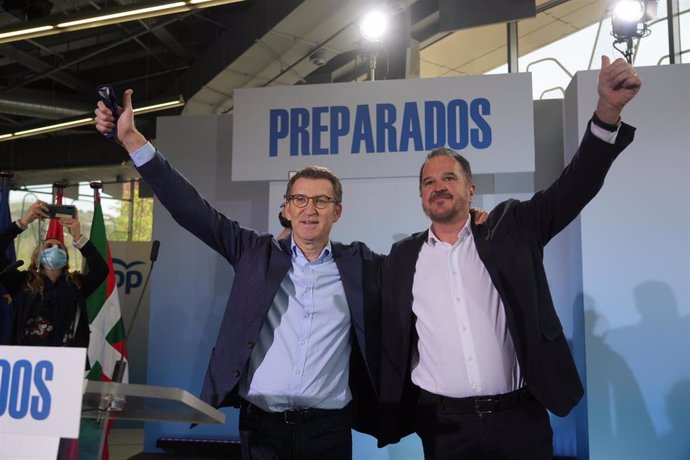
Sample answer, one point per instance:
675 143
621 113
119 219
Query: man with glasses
296 349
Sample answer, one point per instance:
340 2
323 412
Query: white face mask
54 258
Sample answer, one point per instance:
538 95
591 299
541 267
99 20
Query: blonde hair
34 281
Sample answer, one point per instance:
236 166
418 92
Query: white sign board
41 390
131 262
26 447
384 128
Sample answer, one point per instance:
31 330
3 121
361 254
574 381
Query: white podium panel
40 399
41 390
27 447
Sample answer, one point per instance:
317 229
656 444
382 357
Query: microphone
13 266
154 250
121 364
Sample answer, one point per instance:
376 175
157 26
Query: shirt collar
297 253
464 232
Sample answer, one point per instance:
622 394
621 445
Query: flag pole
59 191
55 229
96 186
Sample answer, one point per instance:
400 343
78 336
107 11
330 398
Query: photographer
49 301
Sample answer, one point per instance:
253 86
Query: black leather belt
479 404
294 416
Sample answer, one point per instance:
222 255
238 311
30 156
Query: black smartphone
106 93
59 211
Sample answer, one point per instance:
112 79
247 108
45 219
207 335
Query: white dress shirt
464 346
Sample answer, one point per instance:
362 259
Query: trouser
510 426
292 435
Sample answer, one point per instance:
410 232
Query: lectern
107 401
43 395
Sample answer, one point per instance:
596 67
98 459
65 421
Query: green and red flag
107 341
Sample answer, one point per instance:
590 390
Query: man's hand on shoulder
480 215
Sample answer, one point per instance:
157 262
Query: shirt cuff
19 224
143 154
603 134
80 242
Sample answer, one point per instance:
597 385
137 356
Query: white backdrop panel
392 123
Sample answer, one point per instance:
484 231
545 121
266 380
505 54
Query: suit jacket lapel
406 268
281 261
350 269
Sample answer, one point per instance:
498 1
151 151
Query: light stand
372 66
629 22
373 28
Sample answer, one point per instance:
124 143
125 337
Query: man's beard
442 217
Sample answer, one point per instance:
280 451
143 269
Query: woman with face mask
49 302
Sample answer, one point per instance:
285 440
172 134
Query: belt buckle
485 405
295 416
287 417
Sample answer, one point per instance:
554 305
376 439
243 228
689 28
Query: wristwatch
607 126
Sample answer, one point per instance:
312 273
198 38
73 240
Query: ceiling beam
244 26
41 67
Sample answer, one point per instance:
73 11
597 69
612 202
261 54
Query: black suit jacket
511 247
260 264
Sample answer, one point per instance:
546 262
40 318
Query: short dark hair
317 172
446 152
283 221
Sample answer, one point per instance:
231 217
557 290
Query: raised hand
127 134
618 84
37 210
73 225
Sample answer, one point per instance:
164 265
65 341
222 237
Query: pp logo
23 389
131 279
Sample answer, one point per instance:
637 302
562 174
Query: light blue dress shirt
301 359
143 154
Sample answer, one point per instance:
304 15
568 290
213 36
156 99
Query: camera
59 211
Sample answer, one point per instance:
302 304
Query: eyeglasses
320 201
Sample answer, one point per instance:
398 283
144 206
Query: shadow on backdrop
619 422
657 349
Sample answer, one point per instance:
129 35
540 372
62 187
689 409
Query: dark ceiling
54 78
205 54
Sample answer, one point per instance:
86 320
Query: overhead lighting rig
629 22
56 24
86 121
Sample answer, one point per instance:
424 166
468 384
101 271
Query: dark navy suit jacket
510 245
260 264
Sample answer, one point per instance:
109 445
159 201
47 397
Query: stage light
374 25
629 10
629 22
373 28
